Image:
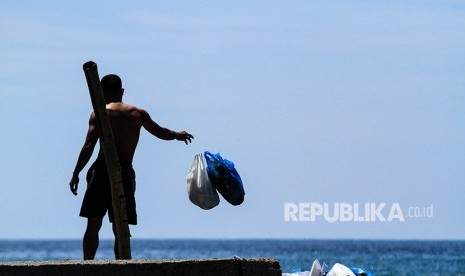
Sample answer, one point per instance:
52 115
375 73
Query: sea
380 257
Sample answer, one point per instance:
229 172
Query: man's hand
184 136
73 184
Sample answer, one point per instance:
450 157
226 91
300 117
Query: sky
318 103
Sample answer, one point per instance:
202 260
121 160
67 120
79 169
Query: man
126 121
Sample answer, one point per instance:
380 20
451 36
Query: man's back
126 121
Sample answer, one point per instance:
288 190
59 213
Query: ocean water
294 256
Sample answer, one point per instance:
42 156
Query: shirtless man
126 122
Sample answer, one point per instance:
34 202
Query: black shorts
97 200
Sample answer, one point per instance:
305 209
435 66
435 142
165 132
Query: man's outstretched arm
85 154
161 132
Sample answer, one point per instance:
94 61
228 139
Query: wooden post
111 158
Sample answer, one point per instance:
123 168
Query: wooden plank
111 158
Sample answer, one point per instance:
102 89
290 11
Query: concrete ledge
197 267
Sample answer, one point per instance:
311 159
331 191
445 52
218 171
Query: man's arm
85 154
161 132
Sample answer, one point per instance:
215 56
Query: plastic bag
225 178
199 187
340 270
361 272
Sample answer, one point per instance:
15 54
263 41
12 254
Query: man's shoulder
123 107
128 109
133 110
129 106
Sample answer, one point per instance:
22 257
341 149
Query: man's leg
91 240
116 246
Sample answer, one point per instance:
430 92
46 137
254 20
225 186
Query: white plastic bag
199 188
340 270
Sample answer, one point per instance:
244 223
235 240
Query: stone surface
194 267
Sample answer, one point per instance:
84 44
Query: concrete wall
204 267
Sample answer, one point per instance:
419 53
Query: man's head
112 88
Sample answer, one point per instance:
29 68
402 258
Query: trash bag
361 272
340 270
199 187
316 269
225 178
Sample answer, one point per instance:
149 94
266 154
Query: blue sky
314 101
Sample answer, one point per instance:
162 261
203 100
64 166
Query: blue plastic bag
225 178
360 272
